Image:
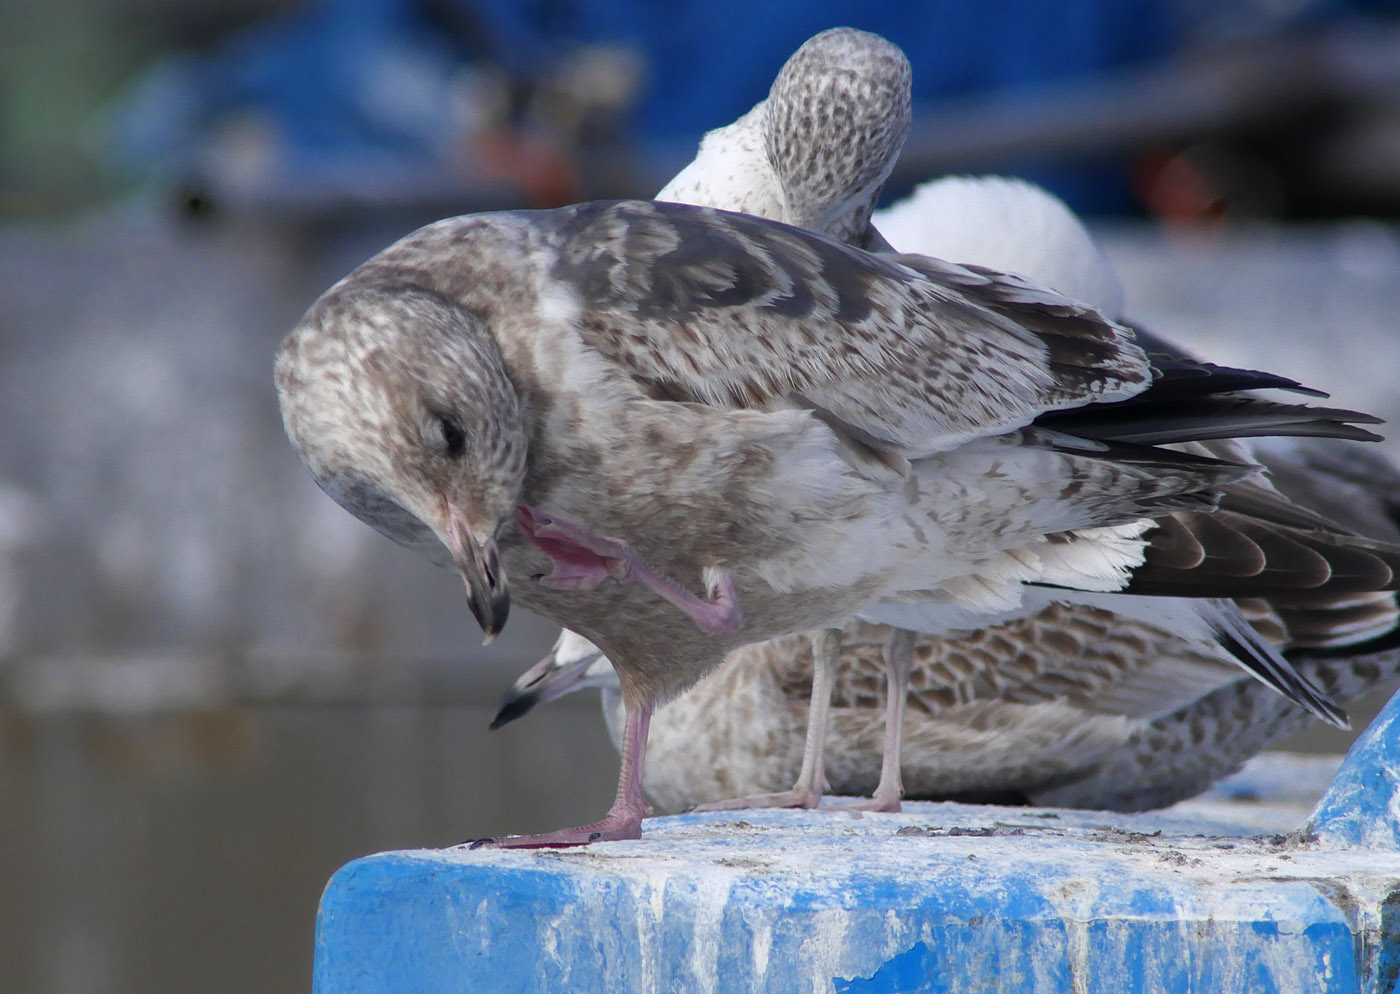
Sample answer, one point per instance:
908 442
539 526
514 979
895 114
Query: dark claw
478 843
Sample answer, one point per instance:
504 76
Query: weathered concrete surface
940 898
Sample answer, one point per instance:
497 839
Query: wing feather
913 354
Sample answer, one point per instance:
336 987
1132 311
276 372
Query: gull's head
398 402
838 115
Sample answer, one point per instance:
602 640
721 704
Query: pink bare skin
582 560
899 662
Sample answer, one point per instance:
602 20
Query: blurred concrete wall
1319 303
149 502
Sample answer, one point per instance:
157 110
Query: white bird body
1007 224
732 167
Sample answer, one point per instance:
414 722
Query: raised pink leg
811 780
582 560
624 818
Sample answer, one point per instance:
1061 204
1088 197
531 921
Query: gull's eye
446 436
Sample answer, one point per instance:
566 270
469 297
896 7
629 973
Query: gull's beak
488 594
553 676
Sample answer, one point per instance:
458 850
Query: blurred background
215 686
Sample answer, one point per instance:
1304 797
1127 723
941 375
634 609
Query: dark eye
451 438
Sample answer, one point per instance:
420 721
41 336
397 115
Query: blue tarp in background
356 86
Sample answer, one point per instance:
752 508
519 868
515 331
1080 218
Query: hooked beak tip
490 611
488 594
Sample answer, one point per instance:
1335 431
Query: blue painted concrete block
940 898
1361 808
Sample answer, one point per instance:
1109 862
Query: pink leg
582 560
811 781
899 661
624 818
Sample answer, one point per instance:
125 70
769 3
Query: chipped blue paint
1361 808
1010 901
917 968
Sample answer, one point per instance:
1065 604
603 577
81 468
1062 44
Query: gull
816 153
1073 704
677 430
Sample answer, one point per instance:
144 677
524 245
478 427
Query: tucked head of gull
818 150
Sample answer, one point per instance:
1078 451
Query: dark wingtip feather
1194 401
1281 676
1195 376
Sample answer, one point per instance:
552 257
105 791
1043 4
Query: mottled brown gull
1070 707
815 153
1072 704
766 429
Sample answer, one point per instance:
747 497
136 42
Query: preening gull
817 150
1072 704
854 87
765 429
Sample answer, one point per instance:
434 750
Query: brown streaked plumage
776 161
1073 705
815 153
493 363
